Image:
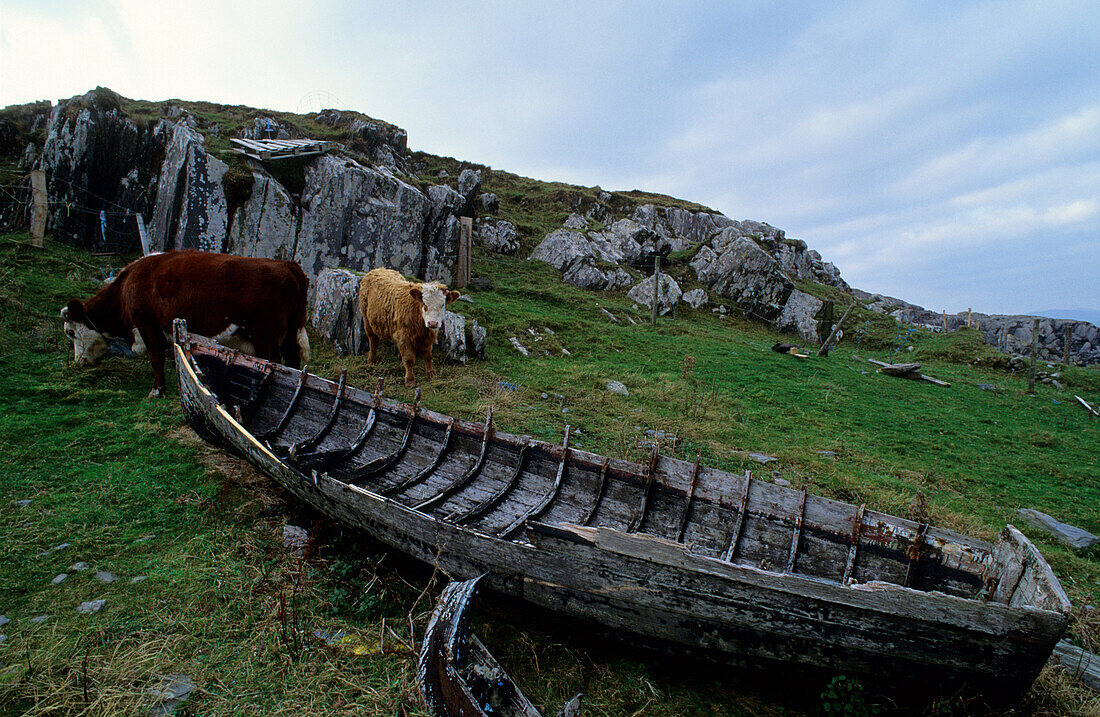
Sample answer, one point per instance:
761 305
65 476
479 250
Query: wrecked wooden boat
458 675
673 552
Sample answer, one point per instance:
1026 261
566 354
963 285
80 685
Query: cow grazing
404 312
259 302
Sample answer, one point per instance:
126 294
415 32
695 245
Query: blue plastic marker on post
103 225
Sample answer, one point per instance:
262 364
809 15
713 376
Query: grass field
116 477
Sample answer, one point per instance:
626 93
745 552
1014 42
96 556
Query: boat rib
601 485
651 473
416 479
314 440
468 475
853 550
384 463
268 436
319 460
735 534
689 495
543 504
796 535
494 500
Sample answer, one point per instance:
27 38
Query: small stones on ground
105 577
783 482
2 638
4 620
59 579
138 579
145 538
519 347
296 539
79 567
54 549
617 388
827 454
90 607
987 387
40 619
1054 382
466 298
170 692
22 503
761 458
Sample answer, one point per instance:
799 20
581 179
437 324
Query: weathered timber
1079 663
906 370
457 675
1092 411
672 552
824 350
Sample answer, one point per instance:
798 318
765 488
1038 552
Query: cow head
89 346
433 298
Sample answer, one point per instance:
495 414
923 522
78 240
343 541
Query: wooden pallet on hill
267 150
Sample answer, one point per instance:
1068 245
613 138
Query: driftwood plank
1080 663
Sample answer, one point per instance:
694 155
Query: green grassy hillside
114 475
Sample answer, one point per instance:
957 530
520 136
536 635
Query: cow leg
372 354
408 358
429 372
291 351
155 345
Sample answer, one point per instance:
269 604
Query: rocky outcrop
191 210
736 267
362 217
668 293
801 315
335 309
336 317
384 144
97 160
695 298
588 263
1009 333
267 224
496 235
269 128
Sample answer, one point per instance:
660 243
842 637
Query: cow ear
452 296
73 311
414 292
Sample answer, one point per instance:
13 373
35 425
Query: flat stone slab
761 458
296 539
1082 664
4 620
1069 535
138 579
105 577
54 549
22 503
59 579
40 619
92 606
169 693
78 567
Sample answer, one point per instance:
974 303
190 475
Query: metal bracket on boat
651 473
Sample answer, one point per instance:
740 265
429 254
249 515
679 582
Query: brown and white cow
262 301
404 312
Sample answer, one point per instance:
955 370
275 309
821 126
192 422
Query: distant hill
1090 315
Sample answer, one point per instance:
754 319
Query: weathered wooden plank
1079 663
735 534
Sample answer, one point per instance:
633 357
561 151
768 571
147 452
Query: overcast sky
947 153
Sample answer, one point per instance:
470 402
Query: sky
946 153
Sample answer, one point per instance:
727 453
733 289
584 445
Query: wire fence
76 215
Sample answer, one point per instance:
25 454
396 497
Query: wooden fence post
945 322
824 349
462 275
968 318
1034 355
656 286
142 235
1066 332
41 207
